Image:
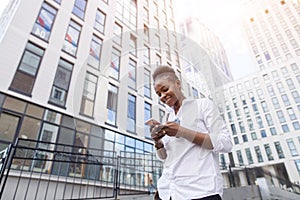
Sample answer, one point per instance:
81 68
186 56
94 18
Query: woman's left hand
171 128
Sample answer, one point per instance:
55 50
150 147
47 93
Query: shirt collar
185 101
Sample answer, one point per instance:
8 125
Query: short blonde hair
164 71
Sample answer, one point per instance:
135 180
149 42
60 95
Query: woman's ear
178 83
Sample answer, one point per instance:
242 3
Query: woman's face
169 91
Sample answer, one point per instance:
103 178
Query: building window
230 117
245 138
126 11
95 52
285 128
234 102
146 33
291 113
132 74
233 129
147 115
294 66
158 59
280 87
263 133
250 124
275 103
147 83
131 114
259 122
112 102
255 109
236 140
72 37
271 90
133 45
253 136
279 150
267 55
273 131
79 8
240 157
243 99
242 127
146 54
222 161
284 70
260 93
294 44
290 84
296 96
268 152
61 83
195 93
146 15
269 119
285 100
258 154
43 25
296 125
264 106
297 163
115 64
249 156
156 42
280 116
118 30
168 51
100 21
292 147
27 70
88 96
252 98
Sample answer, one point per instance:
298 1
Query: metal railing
236 173
43 170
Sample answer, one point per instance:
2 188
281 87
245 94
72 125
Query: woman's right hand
157 132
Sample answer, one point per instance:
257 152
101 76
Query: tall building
77 74
263 109
194 29
204 58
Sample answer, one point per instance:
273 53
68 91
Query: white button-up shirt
191 171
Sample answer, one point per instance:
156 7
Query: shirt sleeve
217 129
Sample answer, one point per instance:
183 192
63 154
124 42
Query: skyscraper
263 109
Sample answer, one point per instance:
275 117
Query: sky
223 17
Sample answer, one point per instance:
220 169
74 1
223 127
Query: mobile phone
152 122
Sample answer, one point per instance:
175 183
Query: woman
189 143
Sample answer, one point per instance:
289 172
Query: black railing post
4 161
116 185
231 177
10 157
247 176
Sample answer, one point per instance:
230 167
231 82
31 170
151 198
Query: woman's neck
178 104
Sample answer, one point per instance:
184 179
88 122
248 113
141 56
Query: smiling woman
193 135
